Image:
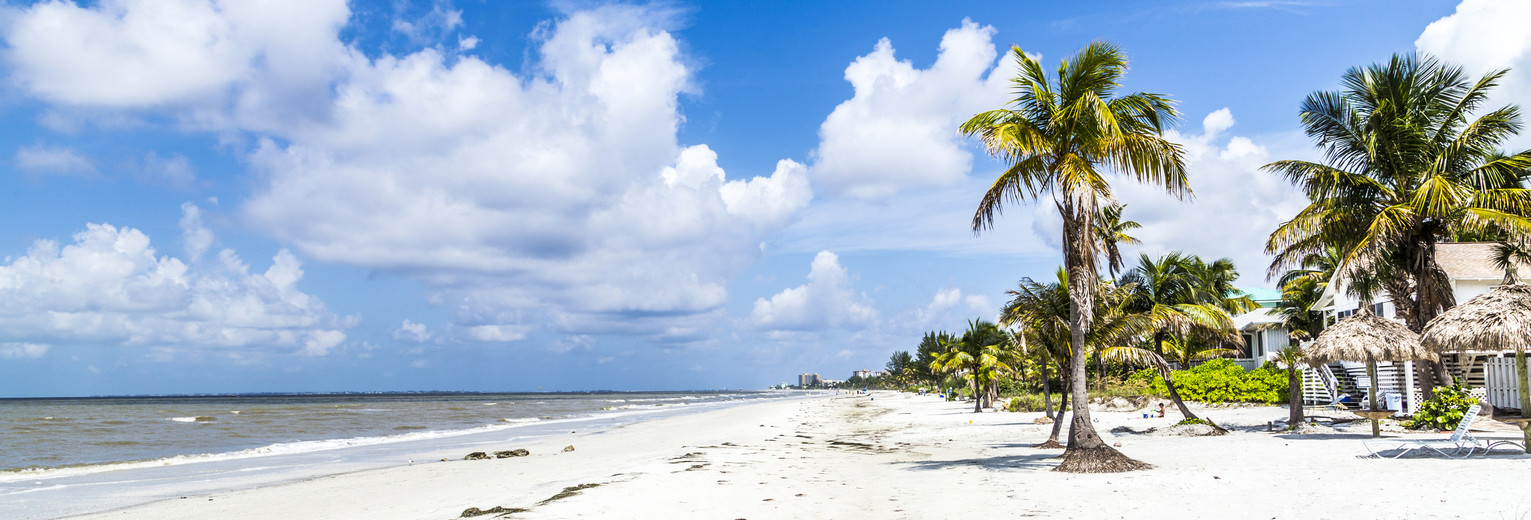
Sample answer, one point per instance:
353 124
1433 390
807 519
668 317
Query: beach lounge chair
1461 443
1337 405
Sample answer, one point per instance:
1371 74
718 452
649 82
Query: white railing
1503 389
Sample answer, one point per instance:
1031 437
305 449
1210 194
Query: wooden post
1371 372
1524 382
1408 388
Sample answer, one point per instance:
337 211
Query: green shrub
1221 381
1194 420
1443 411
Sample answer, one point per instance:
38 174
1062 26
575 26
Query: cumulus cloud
59 160
899 130
22 350
1485 35
412 332
1236 205
557 194
110 286
826 301
950 306
226 62
174 170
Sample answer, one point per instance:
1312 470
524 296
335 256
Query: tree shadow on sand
1041 460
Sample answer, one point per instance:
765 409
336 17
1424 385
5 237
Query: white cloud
53 159
110 287
467 43
826 301
196 236
174 170
950 306
1236 205
555 197
22 350
899 130
1485 35
252 62
412 332
496 333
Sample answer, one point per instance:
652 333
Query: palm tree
979 357
1184 309
1060 135
1042 311
1406 166
925 356
1111 230
1291 357
1508 255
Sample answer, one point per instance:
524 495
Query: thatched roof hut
1495 321
1365 336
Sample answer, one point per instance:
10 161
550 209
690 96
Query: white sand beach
892 455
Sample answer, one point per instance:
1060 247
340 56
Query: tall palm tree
1407 165
1172 294
1061 134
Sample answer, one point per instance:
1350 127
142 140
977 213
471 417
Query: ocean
61 457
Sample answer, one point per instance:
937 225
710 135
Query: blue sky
436 195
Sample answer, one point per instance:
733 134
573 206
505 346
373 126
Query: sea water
69 456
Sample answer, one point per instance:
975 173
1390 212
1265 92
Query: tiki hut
1365 337
1370 338
1495 321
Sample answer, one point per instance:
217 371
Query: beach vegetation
1443 410
1222 381
1187 304
1063 136
1412 158
978 356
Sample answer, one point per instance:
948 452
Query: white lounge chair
1461 443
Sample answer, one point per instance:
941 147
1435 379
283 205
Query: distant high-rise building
807 380
864 374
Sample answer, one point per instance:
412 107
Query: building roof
1262 296
1460 261
1256 318
1472 261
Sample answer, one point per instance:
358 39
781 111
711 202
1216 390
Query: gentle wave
197 419
283 448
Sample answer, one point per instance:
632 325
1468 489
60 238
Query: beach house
1471 269
1261 329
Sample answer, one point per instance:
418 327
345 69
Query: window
1345 314
1379 309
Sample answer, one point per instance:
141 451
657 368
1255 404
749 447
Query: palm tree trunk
1052 439
1294 396
1047 395
1169 378
977 394
1086 452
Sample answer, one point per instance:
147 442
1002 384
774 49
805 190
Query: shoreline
91 488
891 455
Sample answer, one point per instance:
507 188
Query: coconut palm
1184 313
1060 136
1407 165
1291 358
1042 311
978 356
1111 230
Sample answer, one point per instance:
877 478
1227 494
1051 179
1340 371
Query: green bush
1221 381
1443 411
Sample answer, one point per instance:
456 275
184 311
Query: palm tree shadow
1038 460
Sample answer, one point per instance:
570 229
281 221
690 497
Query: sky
310 196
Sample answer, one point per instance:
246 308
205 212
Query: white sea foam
282 448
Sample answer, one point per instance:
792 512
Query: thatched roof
1365 335
1494 321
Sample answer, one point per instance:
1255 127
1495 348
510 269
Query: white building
1471 270
864 374
1262 336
